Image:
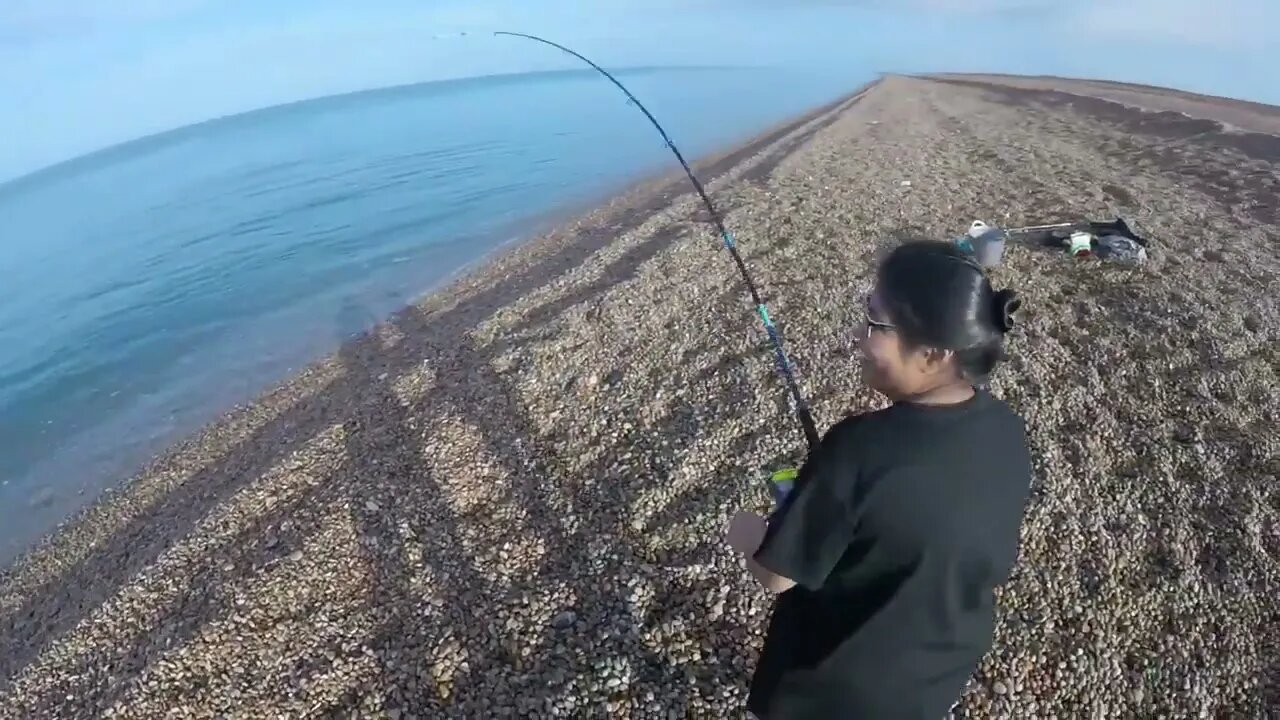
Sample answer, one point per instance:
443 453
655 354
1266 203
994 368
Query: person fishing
894 533
902 521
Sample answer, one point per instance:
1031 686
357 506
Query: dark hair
938 296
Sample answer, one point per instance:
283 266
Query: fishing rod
803 412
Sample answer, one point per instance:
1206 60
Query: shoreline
667 181
622 210
536 228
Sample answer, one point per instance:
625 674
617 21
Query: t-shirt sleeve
812 528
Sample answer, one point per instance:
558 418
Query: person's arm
746 533
811 530
771 581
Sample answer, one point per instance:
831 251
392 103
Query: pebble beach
508 500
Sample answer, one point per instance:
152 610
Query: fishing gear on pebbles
783 364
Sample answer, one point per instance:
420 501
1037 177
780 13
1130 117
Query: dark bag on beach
1118 227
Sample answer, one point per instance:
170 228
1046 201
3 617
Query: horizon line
16 182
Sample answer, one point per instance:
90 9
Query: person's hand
746 532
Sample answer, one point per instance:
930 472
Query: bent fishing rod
803 412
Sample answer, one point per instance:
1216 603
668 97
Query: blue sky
79 75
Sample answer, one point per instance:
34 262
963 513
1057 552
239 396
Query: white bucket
987 243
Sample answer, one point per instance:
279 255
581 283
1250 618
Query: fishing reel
781 483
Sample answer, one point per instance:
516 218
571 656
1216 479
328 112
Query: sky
80 75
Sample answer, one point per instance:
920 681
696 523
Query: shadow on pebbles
508 500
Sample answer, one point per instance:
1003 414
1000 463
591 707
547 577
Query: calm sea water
152 286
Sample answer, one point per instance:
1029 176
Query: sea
149 287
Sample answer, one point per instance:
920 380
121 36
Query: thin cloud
1227 24
967 7
984 6
57 17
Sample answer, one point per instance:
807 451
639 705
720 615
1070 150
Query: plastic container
987 243
1080 244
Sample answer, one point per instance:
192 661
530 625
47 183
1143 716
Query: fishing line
784 367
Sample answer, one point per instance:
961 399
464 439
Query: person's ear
934 361
920 359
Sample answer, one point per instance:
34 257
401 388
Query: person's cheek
873 370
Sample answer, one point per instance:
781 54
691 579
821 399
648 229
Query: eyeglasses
870 323
875 325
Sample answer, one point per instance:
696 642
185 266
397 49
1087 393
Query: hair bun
1004 305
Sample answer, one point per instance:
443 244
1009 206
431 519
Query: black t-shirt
900 525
